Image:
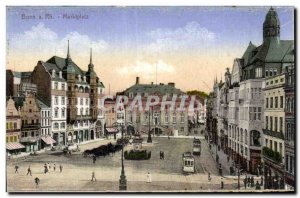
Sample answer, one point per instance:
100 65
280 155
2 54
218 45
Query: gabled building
13 127
74 96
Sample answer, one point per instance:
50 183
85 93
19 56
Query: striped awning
48 139
111 130
14 146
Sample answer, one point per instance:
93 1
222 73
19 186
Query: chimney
171 84
137 81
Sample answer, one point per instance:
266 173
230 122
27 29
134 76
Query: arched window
63 125
55 125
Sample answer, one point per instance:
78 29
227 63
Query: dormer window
60 74
53 73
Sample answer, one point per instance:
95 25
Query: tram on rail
188 161
196 146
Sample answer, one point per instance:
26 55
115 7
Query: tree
200 94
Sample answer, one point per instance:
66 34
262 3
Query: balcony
272 155
83 117
31 126
273 134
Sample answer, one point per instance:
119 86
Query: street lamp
122 180
149 140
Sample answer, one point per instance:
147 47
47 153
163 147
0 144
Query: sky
186 45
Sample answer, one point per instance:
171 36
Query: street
77 170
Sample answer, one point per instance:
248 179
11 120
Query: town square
150 99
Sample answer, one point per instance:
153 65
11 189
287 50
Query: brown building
13 127
30 116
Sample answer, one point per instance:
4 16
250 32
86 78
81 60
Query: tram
196 147
188 163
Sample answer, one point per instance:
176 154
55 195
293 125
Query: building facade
74 96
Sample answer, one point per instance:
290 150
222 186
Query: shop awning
111 130
14 146
48 140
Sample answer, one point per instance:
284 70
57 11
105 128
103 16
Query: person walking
257 186
245 182
149 178
54 167
222 183
16 169
37 182
60 168
45 168
93 176
252 181
29 171
261 180
209 178
94 159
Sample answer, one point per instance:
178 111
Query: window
55 100
259 113
62 100
86 111
182 117
276 124
267 73
15 125
271 123
62 125
174 118
281 101
56 112
81 101
182 129
55 85
271 102
63 112
267 103
258 72
276 102
281 124
86 101
254 113
167 117
81 111
56 125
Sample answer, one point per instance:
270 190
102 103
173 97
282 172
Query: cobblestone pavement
76 175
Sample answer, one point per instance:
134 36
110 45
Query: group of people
249 182
47 168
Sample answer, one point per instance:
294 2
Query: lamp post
149 140
122 180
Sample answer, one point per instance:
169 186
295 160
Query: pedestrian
209 178
252 181
245 183
261 180
29 171
49 167
248 181
257 186
222 183
168 136
60 168
54 167
94 159
149 178
45 168
16 169
37 181
93 176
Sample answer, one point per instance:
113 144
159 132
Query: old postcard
150 99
